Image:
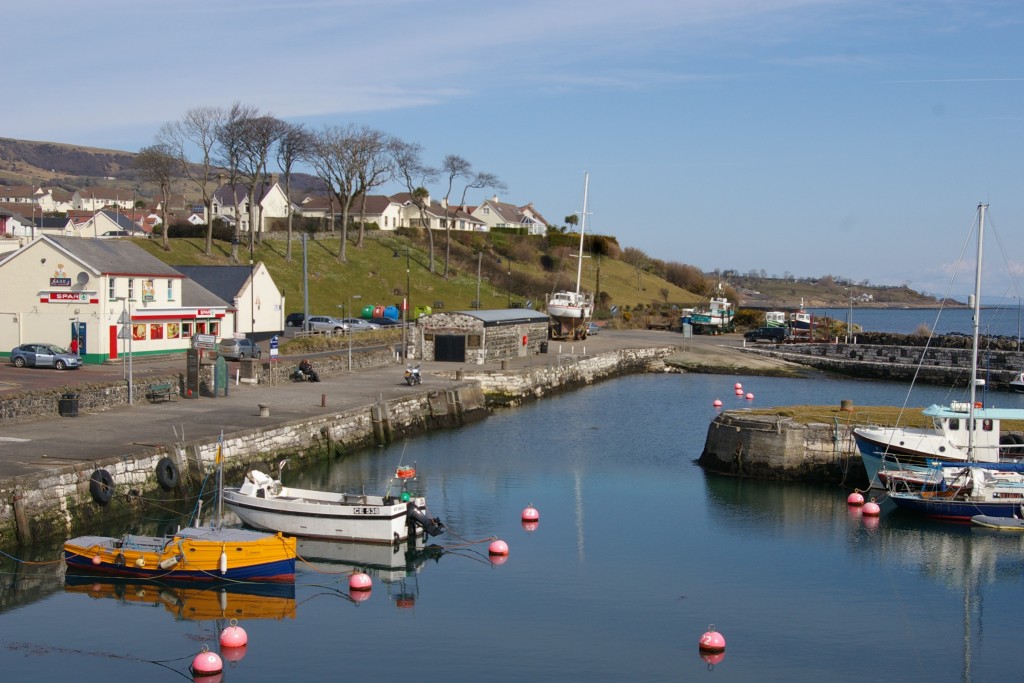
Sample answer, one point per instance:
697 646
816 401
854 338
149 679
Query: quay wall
757 446
58 503
874 361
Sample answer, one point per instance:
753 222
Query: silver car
237 349
357 324
325 323
44 356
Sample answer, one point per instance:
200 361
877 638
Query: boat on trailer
570 310
263 502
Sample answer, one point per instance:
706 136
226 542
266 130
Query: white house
97 198
272 204
257 305
497 214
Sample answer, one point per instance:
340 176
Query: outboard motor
433 526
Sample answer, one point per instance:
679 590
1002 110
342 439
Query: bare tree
636 258
410 169
333 157
294 146
261 134
374 165
456 168
197 130
231 141
156 165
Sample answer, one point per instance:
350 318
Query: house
435 214
272 204
497 214
380 209
257 305
105 224
57 287
96 198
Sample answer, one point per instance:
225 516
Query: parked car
769 334
357 324
385 322
325 323
44 356
592 329
237 349
115 233
294 320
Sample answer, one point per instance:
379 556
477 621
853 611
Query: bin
67 406
543 347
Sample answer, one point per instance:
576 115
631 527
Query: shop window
156 331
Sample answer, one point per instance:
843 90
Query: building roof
194 294
501 316
113 257
223 281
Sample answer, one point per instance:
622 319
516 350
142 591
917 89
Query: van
768 334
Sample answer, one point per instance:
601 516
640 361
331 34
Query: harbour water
995 321
636 553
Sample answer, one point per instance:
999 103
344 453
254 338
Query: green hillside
512 268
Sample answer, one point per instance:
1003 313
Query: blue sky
812 137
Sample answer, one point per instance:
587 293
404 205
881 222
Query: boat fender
169 562
119 560
525 340
223 562
166 474
101 486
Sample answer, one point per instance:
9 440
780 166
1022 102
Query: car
385 322
592 329
325 323
769 334
357 324
115 233
237 349
294 320
44 356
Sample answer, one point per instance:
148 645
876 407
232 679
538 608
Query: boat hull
1000 523
189 555
942 507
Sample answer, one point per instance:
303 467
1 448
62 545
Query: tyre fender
101 486
167 474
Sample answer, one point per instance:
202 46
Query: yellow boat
194 554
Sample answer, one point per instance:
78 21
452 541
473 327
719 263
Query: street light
126 331
407 303
351 298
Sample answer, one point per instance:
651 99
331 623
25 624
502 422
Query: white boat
1017 383
717 317
775 319
962 432
570 311
263 502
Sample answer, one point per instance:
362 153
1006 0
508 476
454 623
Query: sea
637 554
996 321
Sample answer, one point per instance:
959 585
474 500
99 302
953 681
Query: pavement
57 442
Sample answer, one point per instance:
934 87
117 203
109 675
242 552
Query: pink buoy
871 522
360 582
717 403
498 560
738 386
234 635
499 548
233 654
712 658
97 560
750 396
871 509
359 596
739 392
530 514
712 641
855 499
207 663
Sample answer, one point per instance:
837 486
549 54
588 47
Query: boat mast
975 326
583 228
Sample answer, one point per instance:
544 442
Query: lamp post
252 291
351 298
479 260
126 331
509 283
407 303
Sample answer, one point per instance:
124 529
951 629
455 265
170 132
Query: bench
160 392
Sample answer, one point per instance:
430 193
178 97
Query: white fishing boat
263 502
717 317
775 319
571 310
962 432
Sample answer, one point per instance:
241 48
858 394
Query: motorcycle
412 375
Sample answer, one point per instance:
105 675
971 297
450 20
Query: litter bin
543 347
67 406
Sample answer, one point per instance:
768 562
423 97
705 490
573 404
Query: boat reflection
191 602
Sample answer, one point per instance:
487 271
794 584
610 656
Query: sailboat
570 311
199 553
964 433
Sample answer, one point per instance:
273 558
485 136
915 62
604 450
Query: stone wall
772 447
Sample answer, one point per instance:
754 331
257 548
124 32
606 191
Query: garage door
450 347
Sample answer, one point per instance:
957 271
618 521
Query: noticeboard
204 341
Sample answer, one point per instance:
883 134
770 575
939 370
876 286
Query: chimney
222 180
444 202
273 179
495 199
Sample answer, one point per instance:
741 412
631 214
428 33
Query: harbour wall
61 502
758 446
938 365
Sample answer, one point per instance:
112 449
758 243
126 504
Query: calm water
636 553
1001 321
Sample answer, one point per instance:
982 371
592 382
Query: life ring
405 472
166 474
101 486
119 560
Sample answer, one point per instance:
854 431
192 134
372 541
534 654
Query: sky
853 138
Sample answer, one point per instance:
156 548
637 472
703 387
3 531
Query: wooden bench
160 392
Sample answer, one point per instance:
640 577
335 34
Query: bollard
264 409
323 400
846 405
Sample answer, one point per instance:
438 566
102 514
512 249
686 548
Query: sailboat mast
975 326
583 229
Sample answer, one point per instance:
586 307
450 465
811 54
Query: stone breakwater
759 446
59 502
